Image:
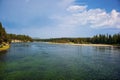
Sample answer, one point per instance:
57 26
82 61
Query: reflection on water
43 61
3 55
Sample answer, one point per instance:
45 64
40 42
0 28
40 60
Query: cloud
54 18
99 18
76 8
94 18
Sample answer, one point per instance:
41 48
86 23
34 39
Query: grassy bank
4 47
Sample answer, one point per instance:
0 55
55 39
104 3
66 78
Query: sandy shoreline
92 44
82 44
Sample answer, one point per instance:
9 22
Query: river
44 61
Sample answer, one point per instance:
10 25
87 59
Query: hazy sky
60 18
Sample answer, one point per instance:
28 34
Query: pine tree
3 34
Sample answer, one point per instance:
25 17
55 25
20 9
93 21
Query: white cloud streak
76 8
94 18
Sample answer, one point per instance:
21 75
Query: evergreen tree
3 34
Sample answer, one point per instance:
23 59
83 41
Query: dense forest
5 37
106 39
97 39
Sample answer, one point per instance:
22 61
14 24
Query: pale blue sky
60 18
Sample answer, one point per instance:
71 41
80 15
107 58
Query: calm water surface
43 61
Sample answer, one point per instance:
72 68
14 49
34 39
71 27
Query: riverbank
19 41
82 44
92 44
4 47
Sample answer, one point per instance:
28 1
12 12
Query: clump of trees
4 37
106 39
23 38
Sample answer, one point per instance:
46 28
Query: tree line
106 39
23 38
97 39
5 37
65 40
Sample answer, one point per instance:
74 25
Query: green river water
43 61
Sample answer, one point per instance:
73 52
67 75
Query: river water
43 61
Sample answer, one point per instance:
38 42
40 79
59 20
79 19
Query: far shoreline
99 45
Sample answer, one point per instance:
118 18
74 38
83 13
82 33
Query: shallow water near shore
43 61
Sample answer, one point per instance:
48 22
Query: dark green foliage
23 38
106 39
3 34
